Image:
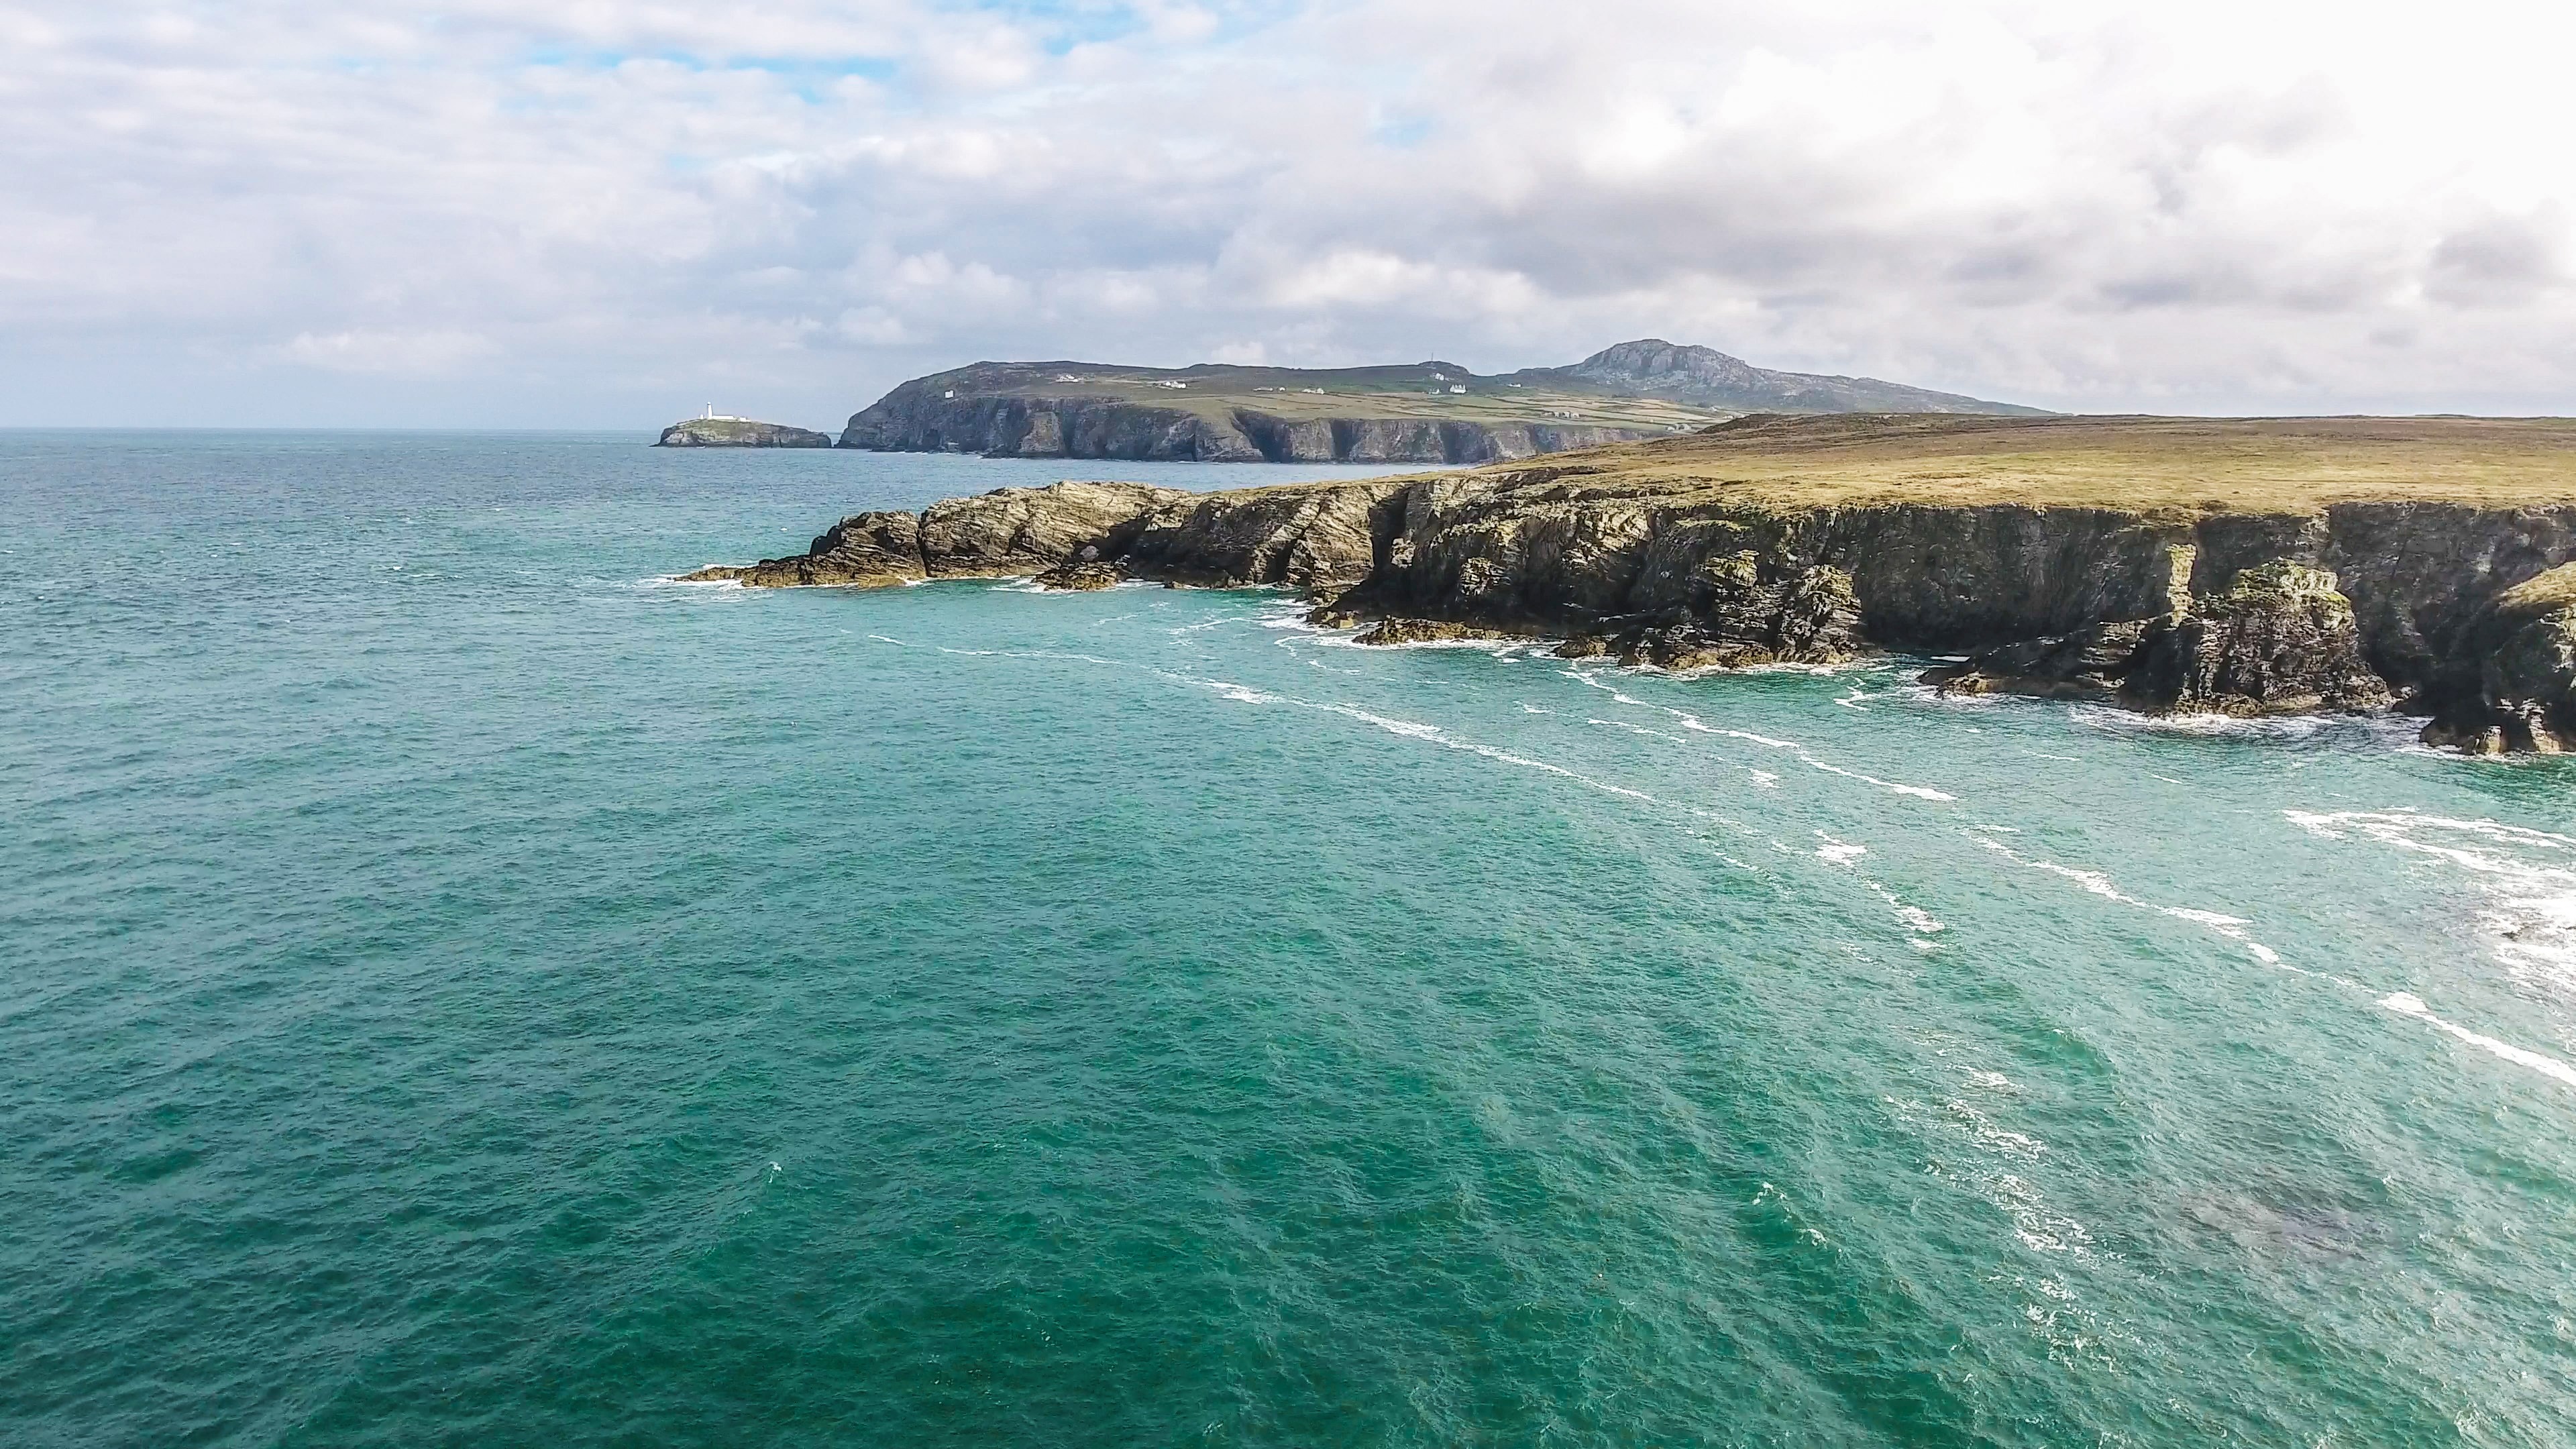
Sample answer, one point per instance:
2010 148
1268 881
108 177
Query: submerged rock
1425 631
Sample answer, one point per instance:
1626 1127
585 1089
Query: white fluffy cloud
283 211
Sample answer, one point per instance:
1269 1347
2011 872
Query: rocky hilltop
2234 566
1705 377
739 433
1425 412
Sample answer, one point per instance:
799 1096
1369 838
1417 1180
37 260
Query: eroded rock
1426 631
2281 640
865 550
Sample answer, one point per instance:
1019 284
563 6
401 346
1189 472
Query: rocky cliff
1423 412
927 416
2276 599
739 433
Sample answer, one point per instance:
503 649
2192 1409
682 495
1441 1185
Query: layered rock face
2463 613
739 433
1009 532
2281 640
917 418
2526 685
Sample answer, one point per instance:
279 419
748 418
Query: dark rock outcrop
739 433
866 550
1426 631
1020 531
2525 642
1083 575
2281 640
1315 537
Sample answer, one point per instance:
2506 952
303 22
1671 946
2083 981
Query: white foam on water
2528 877
1838 852
1919 792
1992 1137
1240 694
1693 722
1989 1172
2233 927
1433 734
1637 730
2407 1004
1934 695
1765 780
2095 882
1916 919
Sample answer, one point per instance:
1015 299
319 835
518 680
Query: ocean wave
1991 1166
1838 852
2233 927
1690 721
2408 1004
2389 730
2526 876
2217 923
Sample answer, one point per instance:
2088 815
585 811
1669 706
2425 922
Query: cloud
594 213
407 354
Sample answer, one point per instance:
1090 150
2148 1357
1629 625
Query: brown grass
2143 464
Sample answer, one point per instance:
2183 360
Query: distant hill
1705 377
1422 412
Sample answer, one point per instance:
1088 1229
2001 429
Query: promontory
2234 566
1423 412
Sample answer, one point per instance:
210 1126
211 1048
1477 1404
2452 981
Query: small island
711 429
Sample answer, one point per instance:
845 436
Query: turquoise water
457 989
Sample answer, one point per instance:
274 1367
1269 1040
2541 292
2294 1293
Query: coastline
2290 591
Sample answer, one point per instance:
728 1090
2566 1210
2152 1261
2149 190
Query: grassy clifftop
1438 391
2146 464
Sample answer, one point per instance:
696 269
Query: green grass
1406 392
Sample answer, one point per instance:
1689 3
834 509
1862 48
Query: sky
593 213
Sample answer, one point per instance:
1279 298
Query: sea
460 987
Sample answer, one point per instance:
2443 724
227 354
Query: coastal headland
1424 412
2235 566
